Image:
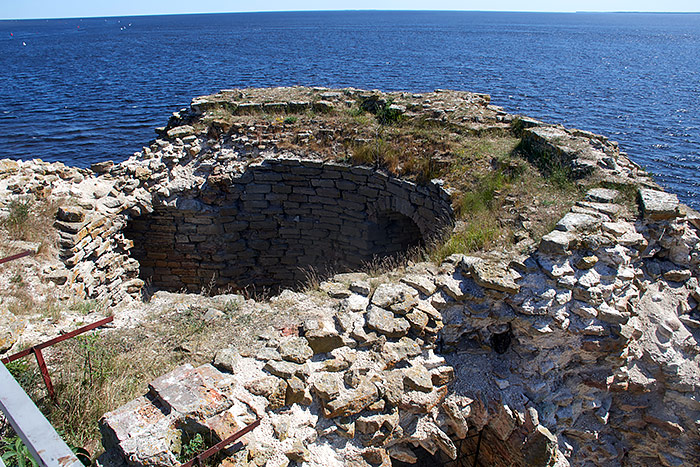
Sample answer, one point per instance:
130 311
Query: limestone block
402 453
70 214
422 283
10 329
284 369
395 352
322 335
326 385
190 390
297 392
494 276
142 433
658 205
354 401
540 448
602 195
389 295
296 349
384 322
458 288
575 222
556 243
227 359
417 378
423 402
271 388
181 131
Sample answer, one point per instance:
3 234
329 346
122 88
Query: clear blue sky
12 9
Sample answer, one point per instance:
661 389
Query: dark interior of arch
279 223
484 449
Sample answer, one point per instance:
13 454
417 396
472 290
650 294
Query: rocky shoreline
580 351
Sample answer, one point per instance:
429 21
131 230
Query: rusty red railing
36 350
17 256
200 458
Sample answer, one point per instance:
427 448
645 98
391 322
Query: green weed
476 236
15 453
84 307
24 373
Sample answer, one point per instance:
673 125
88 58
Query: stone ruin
584 352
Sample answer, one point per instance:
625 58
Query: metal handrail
35 431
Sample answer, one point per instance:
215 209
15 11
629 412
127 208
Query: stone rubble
584 352
583 356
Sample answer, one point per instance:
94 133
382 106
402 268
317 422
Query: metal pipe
17 256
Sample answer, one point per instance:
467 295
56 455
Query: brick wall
271 225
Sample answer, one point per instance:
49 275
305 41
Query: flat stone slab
658 205
192 390
555 243
495 277
140 432
383 321
577 222
602 195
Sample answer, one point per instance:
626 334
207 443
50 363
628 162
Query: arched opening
392 233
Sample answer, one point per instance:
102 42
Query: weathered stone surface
555 243
271 388
456 418
385 322
10 329
296 349
396 297
423 284
495 277
503 423
226 359
587 262
352 402
602 195
423 402
658 205
676 275
395 352
192 390
327 386
540 449
573 222
418 320
181 131
141 433
283 369
297 392
442 375
417 378
70 214
322 335
402 453
458 288
230 421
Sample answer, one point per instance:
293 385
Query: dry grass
32 221
100 371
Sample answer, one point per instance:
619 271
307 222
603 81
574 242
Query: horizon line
357 10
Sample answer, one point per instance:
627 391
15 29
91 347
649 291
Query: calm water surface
87 90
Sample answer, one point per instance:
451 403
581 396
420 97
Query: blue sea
87 90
